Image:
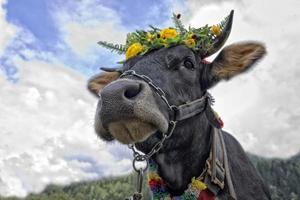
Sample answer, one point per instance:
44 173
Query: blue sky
48 50
39 19
36 17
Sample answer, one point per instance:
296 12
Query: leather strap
190 109
227 170
177 113
215 162
218 166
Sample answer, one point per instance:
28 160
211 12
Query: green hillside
283 176
109 188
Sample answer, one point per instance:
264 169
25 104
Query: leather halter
177 113
217 170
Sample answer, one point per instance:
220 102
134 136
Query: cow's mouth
127 111
131 130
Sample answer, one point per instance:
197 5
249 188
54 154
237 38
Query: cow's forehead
180 52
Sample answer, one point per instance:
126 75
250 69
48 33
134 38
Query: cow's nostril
132 91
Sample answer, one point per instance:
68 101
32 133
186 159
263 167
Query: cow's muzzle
128 112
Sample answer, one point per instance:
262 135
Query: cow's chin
131 130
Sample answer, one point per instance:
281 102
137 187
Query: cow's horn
111 69
221 39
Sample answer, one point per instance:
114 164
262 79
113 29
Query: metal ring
140 158
173 107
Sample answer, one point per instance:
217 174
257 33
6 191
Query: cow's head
130 111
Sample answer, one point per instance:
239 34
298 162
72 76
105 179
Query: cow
133 111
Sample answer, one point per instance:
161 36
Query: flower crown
205 40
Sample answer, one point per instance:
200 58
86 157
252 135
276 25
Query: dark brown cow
131 111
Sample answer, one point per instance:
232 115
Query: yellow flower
133 50
153 176
198 184
216 30
168 33
190 43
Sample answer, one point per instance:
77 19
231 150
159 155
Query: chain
137 156
156 147
156 89
172 124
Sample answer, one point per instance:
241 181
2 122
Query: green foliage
203 38
116 188
282 175
118 48
178 24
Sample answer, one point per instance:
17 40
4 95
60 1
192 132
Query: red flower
221 122
155 183
206 195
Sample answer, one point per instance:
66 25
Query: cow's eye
189 64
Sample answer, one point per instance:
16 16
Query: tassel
220 121
211 99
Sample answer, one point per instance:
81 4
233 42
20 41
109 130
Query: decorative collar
197 189
205 40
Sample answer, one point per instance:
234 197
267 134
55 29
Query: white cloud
261 107
46 124
46 118
85 23
8 31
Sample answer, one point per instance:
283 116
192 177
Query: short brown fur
98 82
237 58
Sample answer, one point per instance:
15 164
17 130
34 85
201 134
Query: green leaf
178 24
118 48
154 28
174 40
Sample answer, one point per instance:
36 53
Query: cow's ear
233 60
99 81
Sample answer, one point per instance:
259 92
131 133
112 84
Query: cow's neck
183 158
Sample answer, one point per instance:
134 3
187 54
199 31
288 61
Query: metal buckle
172 125
175 110
215 179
